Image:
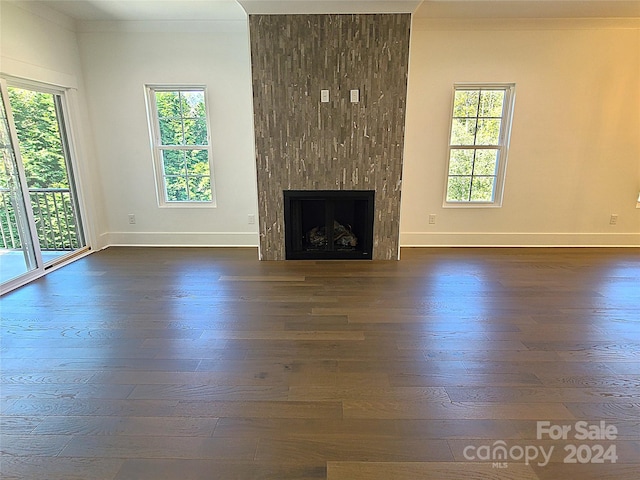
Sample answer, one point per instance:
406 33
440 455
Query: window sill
471 205
196 205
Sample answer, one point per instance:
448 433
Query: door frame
64 114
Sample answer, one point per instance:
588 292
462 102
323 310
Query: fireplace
328 224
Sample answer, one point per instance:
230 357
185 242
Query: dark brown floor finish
176 363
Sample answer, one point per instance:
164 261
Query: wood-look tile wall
304 144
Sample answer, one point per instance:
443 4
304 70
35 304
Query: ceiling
528 9
141 10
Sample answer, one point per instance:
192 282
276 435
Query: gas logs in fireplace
343 237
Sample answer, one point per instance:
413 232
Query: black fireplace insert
328 224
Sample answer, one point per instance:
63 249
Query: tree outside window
181 144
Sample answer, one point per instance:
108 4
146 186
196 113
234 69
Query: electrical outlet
613 220
132 219
324 96
251 219
432 219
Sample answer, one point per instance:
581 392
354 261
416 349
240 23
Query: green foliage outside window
475 144
182 124
36 120
35 117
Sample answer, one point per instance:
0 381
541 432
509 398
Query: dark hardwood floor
192 363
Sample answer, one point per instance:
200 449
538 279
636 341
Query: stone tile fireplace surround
305 144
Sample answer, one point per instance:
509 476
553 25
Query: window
181 146
478 143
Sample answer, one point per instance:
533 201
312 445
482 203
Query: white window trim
505 134
157 147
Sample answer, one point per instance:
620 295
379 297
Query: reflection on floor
12 262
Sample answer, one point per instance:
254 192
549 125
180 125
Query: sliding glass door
17 251
47 228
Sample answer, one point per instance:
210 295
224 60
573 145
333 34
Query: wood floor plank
420 366
606 410
341 379
419 470
32 445
326 448
209 393
90 406
260 409
97 364
252 375
62 390
264 278
588 472
16 425
284 335
594 380
536 367
448 410
623 368
60 468
460 380
198 469
268 428
290 364
126 426
239 448
473 344
518 394
33 377
358 392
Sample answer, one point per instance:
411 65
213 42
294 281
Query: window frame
502 147
157 147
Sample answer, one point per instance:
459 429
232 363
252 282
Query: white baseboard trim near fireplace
181 239
475 239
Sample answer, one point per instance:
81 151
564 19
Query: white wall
118 60
575 143
38 44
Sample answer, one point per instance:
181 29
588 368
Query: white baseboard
180 239
475 239
407 239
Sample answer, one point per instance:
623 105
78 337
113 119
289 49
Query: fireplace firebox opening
328 224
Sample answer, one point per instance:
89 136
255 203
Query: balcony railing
54 215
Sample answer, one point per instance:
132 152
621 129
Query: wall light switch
354 95
324 96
